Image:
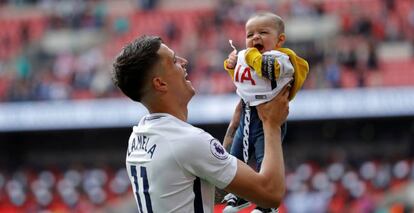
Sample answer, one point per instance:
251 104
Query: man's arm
267 187
231 130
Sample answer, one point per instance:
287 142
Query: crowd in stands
70 190
29 71
372 186
337 187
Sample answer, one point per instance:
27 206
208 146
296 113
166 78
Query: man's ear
159 84
281 40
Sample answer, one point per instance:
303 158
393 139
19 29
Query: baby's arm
268 66
230 63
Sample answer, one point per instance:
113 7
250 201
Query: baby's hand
232 60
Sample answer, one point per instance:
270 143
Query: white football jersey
254 89
174 166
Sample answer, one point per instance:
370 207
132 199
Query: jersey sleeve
204 156
272 66
266 66
301 67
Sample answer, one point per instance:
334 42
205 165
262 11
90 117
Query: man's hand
275 112
232 60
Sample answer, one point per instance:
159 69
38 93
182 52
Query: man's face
261 33
175 74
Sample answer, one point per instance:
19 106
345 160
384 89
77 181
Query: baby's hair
279 23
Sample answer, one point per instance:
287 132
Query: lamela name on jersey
140 142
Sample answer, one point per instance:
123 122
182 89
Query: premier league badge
218 150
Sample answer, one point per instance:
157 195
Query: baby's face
262 34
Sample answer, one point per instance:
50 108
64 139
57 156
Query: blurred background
64 127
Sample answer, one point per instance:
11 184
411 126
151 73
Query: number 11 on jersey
143 185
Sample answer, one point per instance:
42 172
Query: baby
259 72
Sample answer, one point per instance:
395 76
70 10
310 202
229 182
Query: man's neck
180 115
169 108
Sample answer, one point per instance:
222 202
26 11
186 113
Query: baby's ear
281 40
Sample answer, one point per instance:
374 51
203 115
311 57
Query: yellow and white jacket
260 77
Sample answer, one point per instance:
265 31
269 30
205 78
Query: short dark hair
134 64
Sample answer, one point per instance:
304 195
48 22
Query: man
173 166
